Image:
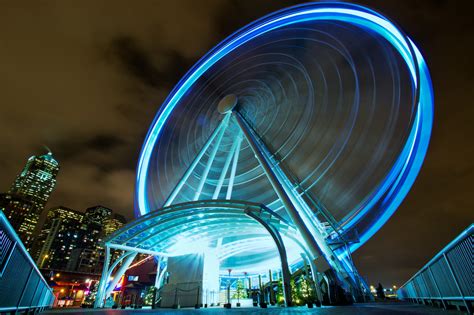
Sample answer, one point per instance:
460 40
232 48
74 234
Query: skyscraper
72 240
62 232
18 211
112 223
93 225
98 223
29 193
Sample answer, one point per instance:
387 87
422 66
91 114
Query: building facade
62 233
20 213
112 224
72 240
29 194
99 222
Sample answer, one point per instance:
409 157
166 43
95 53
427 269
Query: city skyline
58 237
134 65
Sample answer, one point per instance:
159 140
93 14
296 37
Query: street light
228 290
44 258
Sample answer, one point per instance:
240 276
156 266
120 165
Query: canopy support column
104 290
103 280
120 272
285 268
158 266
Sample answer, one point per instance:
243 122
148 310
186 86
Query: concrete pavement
390 308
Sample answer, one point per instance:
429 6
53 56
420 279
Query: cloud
86 80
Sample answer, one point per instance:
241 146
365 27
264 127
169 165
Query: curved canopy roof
238 229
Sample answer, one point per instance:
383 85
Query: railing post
437 287
456 281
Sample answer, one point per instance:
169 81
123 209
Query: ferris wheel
306 128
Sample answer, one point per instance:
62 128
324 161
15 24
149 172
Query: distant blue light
400 179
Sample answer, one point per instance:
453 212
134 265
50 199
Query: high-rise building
93 225
98 223
29 193
37 180
72 240
112 224
86 260
18 211
62 232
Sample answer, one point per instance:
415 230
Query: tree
148 299
280 297
240 293
306 290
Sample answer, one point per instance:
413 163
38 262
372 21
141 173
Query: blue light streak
402 175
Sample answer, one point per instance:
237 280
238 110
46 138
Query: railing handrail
4 220
4 223
464 234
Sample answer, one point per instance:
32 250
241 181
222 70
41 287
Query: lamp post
44 258
228 305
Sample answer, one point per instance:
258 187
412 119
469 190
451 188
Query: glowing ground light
400 178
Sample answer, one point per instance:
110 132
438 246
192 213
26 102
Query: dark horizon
87 79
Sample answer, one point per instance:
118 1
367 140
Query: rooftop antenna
48 149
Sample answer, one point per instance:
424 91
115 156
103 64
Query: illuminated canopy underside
194 227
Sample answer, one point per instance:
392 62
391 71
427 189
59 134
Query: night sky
85 78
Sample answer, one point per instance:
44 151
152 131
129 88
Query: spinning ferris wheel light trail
288 143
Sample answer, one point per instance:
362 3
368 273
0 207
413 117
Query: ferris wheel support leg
234 167
292 212
224 170
211 159
193 165
316 243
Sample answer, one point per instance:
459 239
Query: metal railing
22 287
448 279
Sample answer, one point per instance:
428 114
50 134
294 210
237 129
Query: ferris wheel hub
227 104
